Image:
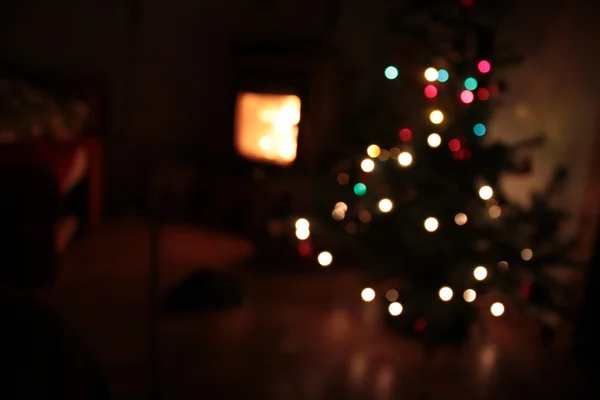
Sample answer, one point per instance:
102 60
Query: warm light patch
266 127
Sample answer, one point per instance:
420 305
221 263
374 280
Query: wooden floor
296 337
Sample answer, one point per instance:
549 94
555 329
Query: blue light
391 72
443 75
479 129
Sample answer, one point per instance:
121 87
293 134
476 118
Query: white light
367 165
526 254
302 224
486 192
341 206
497 309
469 295
395 308
265 143
480 273
445 293
434 140
385 205
431 224
460 219
302 234
405 159
325 258
338 214
367 294
436 117
431 74
392 295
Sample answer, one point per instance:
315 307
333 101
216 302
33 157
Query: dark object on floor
41 359
205 290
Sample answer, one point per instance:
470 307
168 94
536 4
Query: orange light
266 127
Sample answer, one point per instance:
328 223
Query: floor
296 337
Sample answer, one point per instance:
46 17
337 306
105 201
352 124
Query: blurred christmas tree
416 199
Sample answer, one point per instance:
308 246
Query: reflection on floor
296 337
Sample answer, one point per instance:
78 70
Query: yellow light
436 117
341 206
367 165
368 294
446 293
495 211
431 74
302 224
469 295
338 214
434 140
392 295
526 254
395 309
325 259
302 234
460 219
497 309
373 151
486 192
431 224
385 205
480 273
266 127
405 159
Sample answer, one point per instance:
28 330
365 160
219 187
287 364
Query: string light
443 75
385 205
526 254
471 83
486 192
360 189
445 293
434 140
395 309
431 224
405 134
479 129
338 214
373 151
325 259
302 234
460 219
302 224
341 206
469 295
367 165
497 309
480 273
405 159
436 117
454 144
431 74
367 294
391 72
392 295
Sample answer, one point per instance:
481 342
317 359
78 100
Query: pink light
483 94
405 134
467 96
484 66
430 91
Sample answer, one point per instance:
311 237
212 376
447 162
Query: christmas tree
416 199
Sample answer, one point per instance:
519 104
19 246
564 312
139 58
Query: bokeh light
497 309
341 206
302 224
484 66
385 205
486 192
367 165
338 214
483 94
443 75
343 178
405 159
471 83
431 224
469 295
479 129
302 234
454 144
431 74
436 116
395 309
480 273
434 140
430 91
526 254
405 134
367 294
392 295
467 97
460 219
391 72
445 293
360 189
373 151
325 259
495 211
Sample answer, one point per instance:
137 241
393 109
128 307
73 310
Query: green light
360 189
470 83
391 72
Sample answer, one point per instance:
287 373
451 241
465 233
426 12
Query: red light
405 134
483 94
430 91
467 3
454 145
467 96
420 325
484 66
304 249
